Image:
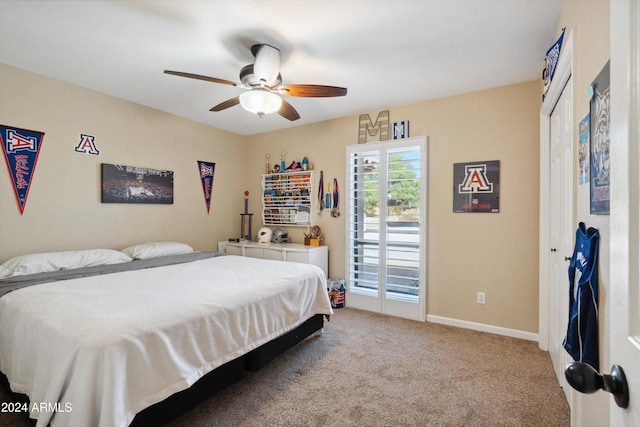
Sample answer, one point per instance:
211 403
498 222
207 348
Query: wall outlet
480 299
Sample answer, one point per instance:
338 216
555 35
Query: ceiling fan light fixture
267 64
260 102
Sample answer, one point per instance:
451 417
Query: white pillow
53 261
5 272
157 249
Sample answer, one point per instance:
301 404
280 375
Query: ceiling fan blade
288 112
199 77
267 64
226 104
312 91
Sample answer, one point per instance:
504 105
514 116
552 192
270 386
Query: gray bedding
14 283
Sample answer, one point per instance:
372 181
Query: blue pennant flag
551 62
21 148
206 177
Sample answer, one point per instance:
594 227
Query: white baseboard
498 330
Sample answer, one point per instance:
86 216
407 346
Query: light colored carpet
372 370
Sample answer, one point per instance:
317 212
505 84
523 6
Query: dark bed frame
214 381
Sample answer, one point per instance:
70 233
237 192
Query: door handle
585 379
567 258
553 249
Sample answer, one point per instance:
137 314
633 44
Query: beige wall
494 253
64 211
589 22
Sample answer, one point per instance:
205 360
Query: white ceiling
385 52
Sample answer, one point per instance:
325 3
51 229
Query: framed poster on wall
476 186
130 184
599 146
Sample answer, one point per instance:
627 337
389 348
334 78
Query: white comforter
97 350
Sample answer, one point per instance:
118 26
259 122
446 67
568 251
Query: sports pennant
21 148
206 177
551 62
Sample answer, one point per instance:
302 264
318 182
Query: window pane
363 232
402 220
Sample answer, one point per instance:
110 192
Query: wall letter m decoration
381 125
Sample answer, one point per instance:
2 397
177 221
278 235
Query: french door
386 227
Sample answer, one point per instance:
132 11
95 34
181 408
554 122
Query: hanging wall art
400 130
551 62
367 127
206 170
21 148
87 145
130 184
476 186
599 148
583 151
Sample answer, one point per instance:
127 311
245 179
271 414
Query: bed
99 344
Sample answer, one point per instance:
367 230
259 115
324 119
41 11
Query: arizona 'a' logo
17 141
206 170
475 180
87 145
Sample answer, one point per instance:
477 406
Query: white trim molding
497 330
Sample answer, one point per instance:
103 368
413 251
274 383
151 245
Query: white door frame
624 292
562 75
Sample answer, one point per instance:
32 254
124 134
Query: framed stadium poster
476 186
130 184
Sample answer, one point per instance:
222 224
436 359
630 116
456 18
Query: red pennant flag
206 177
21 148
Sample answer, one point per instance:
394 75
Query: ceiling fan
262 79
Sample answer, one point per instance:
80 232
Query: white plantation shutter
386 226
